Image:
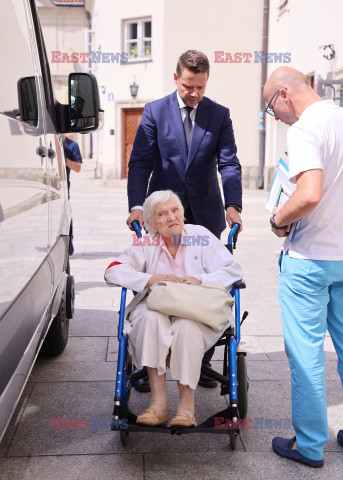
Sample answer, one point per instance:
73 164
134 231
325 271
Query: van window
17 64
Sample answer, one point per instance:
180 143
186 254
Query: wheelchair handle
135 226
233 234
232 239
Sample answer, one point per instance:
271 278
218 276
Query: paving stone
79 349
275 350
269 414
237 465
279 370
91 301
112 349
93 401
254 277
334 395
92 322
273 346
76 371
113 244
7 438
96 287
263 319
73 467
90 401
91 269
250 345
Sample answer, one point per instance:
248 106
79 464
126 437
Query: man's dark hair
193 60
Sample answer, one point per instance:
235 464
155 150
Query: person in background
73 160
77 109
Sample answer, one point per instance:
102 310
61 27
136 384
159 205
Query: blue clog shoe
283 447
340 437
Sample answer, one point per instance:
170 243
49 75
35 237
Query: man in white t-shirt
310 268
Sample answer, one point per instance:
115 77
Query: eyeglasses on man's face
268 108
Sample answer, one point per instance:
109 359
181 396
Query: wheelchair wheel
242 386
123 437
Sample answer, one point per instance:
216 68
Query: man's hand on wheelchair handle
232 216
135 214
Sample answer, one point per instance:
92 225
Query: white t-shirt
315 141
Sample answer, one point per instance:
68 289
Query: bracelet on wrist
273 224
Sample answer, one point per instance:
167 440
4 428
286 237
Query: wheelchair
233 380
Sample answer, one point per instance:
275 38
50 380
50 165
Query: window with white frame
137 39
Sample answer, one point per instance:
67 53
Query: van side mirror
27 98
84 103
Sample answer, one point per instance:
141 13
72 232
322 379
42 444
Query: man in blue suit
181 141
160 149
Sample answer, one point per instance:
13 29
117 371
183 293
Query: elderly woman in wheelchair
177 253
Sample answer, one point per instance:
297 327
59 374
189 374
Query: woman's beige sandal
183 420
152 419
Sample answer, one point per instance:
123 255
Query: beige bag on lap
208 303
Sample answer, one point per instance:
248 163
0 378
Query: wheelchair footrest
124 417
119 424
216 421
220 423
175 430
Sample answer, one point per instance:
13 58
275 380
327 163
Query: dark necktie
188 126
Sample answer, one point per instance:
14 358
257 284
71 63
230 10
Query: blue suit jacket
160 148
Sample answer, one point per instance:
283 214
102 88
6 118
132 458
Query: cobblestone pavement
80 383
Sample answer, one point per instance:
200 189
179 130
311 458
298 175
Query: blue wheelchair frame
124 420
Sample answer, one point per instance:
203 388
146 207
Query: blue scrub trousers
311 300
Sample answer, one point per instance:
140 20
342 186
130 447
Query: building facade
66 30
311 31
140 43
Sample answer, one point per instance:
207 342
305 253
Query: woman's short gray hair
152 201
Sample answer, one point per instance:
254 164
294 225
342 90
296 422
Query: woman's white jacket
205 258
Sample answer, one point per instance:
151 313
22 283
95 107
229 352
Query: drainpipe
262 126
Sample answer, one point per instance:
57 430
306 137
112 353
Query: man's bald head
288 93
288 78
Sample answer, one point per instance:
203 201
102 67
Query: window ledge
137 60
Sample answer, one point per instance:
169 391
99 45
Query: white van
36 288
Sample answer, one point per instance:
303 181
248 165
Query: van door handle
51 153
42 151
